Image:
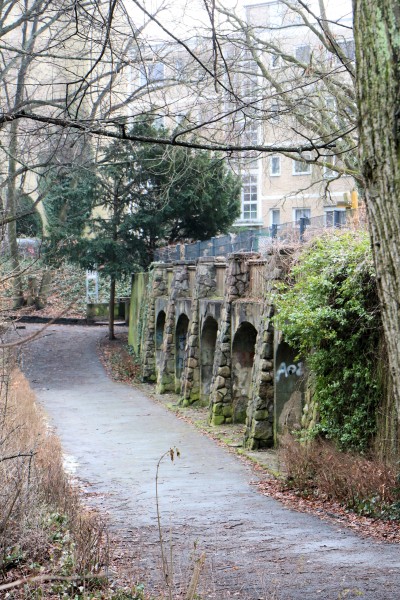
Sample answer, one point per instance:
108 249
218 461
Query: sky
186 17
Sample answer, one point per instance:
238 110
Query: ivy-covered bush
328 311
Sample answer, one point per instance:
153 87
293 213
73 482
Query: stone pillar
260 410
205 286
236 286
157 287
179 289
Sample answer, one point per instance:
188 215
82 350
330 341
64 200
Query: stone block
266 365
219 382
192 363
224 371
261 415
266 377
218 408
263 431
266 350
227 411
217 420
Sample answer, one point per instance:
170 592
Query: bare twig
43 578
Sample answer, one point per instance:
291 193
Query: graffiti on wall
287 370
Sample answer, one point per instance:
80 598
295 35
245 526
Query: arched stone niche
159 335
181 332
243 348
207 352
289 388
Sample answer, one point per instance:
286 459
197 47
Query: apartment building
284 78
302 90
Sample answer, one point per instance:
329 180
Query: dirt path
256 549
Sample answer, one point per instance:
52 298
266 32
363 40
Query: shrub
318 468
329 312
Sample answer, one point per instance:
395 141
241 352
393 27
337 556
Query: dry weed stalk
36 496
350 479
167 565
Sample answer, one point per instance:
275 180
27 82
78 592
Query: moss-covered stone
261 415
217 419
218 408
227 411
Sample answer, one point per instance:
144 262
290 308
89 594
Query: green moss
217 420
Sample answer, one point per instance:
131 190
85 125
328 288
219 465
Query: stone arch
207 351
243 348
159 334
181 332
289 388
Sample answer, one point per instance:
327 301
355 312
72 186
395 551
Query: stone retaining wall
217 349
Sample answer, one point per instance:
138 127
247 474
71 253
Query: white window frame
271 216
275 113
327 172
278 171
306 165
252 176
301 209
330 221
147 71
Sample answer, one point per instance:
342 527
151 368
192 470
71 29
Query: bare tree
103 74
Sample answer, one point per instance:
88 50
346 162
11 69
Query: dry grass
43 527
366 485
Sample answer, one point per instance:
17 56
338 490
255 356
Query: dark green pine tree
138 197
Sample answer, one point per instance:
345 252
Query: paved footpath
256 548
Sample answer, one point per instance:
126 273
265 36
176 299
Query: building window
302 213
250 138
275 166
275 216
151 73
303 53
331 108
328 172
275 115
275 61
300 167
348 49
335 217
249 197
250 77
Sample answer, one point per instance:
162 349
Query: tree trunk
377 37
111 335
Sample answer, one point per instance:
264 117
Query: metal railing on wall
260 240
